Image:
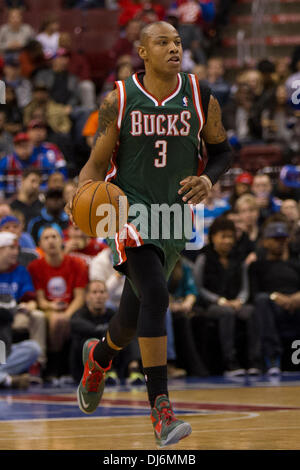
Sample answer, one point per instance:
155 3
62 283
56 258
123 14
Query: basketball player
151 124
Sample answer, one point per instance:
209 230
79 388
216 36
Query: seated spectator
14 115
248 211
6 140
244 249
37 133
27 199
242 185
32 59
237 116
56 181
215 77
136 10
80 67
4 209
11 165
183 294
90 128
51 213
12 77
62 85
279 122
200 70
69 189
288 183
23 157
13 224
14 34
59 281
16 282
56 114
215 205
14 373
79 244
267 203
290 209
275 289
126 45
190 16
49 35
101 268
223 288
92 321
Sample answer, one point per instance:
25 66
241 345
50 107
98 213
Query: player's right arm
105 141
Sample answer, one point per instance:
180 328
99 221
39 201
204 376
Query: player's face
163 50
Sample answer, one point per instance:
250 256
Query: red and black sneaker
90 389
167 428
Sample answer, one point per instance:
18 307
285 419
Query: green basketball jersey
158 147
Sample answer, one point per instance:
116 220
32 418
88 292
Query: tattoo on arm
108 114
213 131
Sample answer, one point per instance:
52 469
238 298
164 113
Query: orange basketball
100 209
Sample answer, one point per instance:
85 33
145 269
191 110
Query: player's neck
160 87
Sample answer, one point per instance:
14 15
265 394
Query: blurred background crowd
235 298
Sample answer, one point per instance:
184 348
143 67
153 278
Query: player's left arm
196 188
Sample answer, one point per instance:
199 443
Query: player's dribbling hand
195 189
69 205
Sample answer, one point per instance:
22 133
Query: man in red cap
242 185
13 165
37 133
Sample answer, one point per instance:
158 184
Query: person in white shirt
49 36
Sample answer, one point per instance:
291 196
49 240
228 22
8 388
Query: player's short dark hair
221 224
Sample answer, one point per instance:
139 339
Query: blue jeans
21 357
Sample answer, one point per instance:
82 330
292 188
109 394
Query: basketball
100 209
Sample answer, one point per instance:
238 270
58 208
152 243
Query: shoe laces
167 415
94 378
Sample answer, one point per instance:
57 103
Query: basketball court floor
225 414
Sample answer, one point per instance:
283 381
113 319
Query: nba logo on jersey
185 101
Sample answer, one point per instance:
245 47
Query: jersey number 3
162 161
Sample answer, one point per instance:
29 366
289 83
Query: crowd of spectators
240 285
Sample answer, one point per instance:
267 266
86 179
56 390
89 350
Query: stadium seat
255 157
